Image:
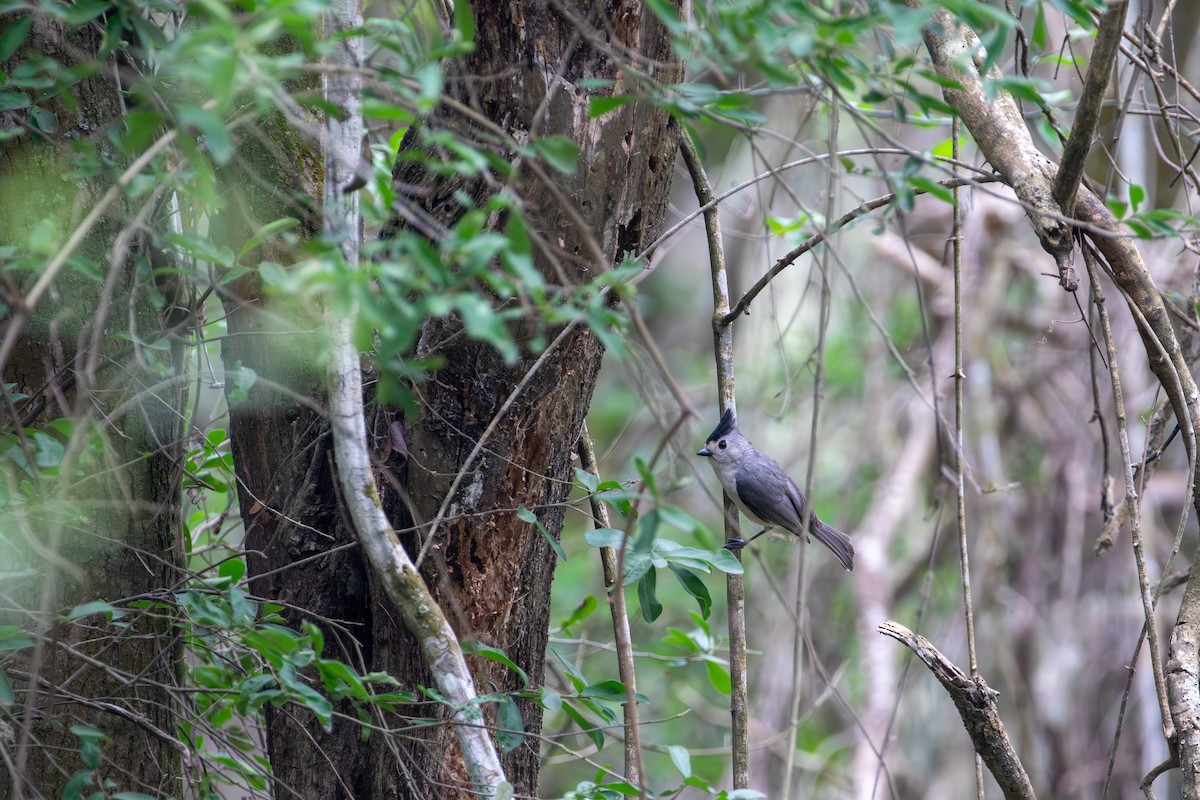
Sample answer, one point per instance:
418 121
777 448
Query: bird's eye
721 444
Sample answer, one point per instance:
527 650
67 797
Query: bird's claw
735 544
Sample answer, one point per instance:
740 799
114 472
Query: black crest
728 424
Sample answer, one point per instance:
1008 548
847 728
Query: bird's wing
766 497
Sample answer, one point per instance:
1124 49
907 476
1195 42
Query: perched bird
764 492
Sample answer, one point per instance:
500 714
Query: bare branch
723 353
976 703
624 642
1108 41
998 127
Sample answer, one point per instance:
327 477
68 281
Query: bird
764 492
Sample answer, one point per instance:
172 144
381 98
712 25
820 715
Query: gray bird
764 492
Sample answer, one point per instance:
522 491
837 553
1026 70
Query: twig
864 208
960 488
613 583
723 353
1131 492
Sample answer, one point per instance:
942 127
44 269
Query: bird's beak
705 452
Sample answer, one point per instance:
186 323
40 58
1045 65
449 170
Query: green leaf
483 323
43 119
587 480
560 152
265 232
234 569
647 528
528 516
610 690
576 678
718 676
549 699
695 587
473 647
86 11
727 562
133 796
89 732
599 106
212 128
429 82
517 252
10 100
464 21
651 608
13 36
636 567
1136 195
45 237
13 638
681 759
932 187
202 249
7 697
80 780
95 607
589 729
604 537
509 717
581 612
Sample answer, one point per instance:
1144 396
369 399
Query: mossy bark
104 527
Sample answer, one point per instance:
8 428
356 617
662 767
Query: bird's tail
837 542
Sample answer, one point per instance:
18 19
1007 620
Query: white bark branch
396 573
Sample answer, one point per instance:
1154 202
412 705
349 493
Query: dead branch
976 703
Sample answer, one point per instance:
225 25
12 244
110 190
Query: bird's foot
735 544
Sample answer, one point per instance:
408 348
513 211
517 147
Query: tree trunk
299 547
490 570
104 527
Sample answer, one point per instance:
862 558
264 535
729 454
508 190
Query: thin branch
613 583
959 461
864 208
723 354
1131 492
1087 115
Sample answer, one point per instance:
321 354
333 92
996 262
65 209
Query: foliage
198 91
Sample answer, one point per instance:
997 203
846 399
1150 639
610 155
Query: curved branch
976 704
998 127
399 578
864 208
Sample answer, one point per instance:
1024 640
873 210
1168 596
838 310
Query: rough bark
298 546
106 534
491 571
